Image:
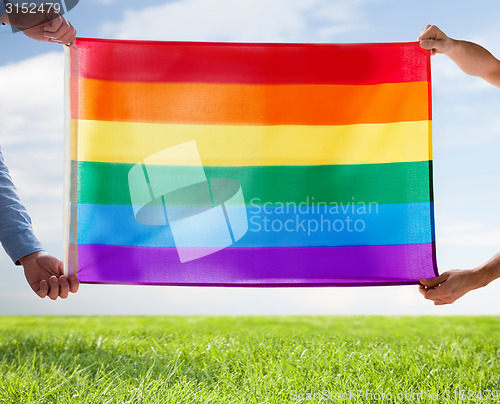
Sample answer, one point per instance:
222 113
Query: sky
466 143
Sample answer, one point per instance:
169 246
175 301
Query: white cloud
468 234
448 78
243 20
31 112
464 111
489 38
32 102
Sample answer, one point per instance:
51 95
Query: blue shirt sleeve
16 233
2 8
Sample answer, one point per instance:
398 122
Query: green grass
247 359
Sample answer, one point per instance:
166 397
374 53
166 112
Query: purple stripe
303 266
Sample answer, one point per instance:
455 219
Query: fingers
435 294
433 282
60 268
69 37
74 283
440 295
44 289
60 30
431 32
437 297
429 44
421 32
54 288
430 294
433 289
63 287
433 39
58 287
53 25
45 275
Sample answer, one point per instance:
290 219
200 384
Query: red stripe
180 62
429 81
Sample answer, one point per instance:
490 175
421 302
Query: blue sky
466 144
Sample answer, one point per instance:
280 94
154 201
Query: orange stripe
248 104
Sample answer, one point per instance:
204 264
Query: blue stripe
384 224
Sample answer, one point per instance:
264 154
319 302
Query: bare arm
472 58
476 61
452 285
489 271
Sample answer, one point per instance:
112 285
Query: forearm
489 271
475 60
16 234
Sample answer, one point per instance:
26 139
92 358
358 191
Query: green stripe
107 183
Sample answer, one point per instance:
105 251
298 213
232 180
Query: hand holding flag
46 24
433 39
45 275
58 30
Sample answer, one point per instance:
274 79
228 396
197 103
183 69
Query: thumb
430 44
433 282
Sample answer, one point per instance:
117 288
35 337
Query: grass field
249 359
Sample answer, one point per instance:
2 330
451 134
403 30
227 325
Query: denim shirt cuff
2 8
21 244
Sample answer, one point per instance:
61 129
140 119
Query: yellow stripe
222 145
430 140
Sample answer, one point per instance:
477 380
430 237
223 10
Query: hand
433 39
449 286
45 275
45 25
58 30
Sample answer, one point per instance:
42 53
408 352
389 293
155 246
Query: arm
43 272
16 234
476 61
41 26
452 285
470 57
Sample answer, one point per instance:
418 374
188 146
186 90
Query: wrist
484 275
30 257
452 46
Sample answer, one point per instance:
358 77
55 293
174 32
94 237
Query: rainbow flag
249 164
